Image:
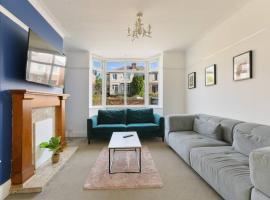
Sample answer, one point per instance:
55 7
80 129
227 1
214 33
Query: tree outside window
135 96
96 82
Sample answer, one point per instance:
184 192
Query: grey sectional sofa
230 155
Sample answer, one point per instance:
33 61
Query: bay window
125 83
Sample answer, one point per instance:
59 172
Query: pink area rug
99 177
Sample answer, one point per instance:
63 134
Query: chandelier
138 30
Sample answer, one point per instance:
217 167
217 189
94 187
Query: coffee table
119 143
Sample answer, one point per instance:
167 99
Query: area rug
99 177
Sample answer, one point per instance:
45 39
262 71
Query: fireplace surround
23 101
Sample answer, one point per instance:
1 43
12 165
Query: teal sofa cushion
111 117
140 116
143 127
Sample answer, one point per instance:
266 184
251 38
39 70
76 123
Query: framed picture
242 66
192 80
210 75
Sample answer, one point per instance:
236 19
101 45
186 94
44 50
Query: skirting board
4 189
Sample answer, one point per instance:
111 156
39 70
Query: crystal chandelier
138 30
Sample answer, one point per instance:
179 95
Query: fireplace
43 123
25 105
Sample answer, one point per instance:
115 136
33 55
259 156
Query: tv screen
45 65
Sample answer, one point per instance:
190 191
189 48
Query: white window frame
125 71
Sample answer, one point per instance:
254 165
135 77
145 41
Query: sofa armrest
160 121
91 123
259 162
157 119
179 123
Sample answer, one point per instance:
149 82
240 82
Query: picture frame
242 66
210 75
192 80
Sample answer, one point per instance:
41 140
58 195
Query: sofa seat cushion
226 170
183 142
110 127
142 127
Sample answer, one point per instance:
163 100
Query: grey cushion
183 142
259 161
258 195
208 129
210 118
226 170
227 125
179 123
249 136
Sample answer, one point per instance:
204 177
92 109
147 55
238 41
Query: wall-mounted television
45 64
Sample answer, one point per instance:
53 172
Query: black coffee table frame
137 150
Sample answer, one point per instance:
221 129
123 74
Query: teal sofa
143 121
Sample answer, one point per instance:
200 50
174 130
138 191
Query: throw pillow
209 129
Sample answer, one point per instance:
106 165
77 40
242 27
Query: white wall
248 100
77 85
174 82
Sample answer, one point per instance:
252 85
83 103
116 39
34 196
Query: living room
134 99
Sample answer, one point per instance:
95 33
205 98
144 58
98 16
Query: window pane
153 66
41 57
115 89
136 66
97 88
96 64
135 88
115 66
153 88
57 77
60 60
39 72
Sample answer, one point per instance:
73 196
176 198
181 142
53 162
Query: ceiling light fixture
138 30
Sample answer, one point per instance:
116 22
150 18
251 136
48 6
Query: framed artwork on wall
210 75
192 80
242 66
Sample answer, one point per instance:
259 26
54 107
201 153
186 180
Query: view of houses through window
118 83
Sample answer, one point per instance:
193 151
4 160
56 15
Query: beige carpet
180 181
99 177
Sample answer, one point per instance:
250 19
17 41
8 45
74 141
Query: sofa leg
88 141
163 139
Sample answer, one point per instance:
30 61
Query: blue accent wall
24 11
13 55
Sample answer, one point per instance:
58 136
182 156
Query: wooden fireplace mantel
23 101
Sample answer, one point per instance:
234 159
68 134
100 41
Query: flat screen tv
45 64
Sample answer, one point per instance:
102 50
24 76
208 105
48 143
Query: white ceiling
100 26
